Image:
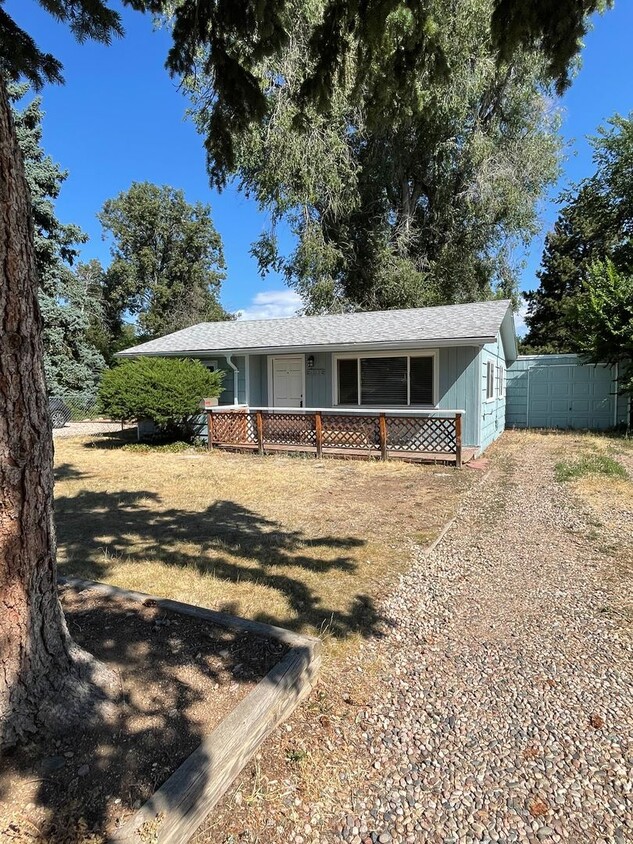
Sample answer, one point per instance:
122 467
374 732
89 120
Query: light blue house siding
560 391
227 395
458 388
493 410
458 383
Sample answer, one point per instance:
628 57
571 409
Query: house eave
339 347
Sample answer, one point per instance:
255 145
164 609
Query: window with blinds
383 381
394 381
421 380
348 381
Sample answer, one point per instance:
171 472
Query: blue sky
120 118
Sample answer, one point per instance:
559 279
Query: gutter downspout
235 377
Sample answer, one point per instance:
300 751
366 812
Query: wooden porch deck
433 457
415 436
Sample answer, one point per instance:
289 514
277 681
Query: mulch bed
179 678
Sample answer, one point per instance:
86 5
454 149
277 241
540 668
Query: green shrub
167 391
590 464
175 447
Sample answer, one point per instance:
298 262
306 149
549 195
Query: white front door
288 380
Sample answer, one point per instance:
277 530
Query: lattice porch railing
414 434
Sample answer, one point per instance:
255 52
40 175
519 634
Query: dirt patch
179 678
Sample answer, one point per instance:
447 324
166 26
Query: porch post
382 421
209 429
259 421
318 429
458 440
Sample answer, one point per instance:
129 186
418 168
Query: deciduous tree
421 207
167 260
604 320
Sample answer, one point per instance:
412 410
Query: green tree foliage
106 329
347 41
71 361
595 224
167 261
421 208
604 319
168 391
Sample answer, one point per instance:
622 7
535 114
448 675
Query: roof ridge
355 313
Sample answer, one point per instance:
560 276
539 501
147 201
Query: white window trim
501 381
430 353
490 366
271 393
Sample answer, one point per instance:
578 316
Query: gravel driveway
85 429
509 710
497 707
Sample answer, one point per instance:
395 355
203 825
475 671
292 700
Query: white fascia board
391 345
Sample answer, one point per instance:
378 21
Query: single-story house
436 376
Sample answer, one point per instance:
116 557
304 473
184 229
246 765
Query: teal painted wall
559 391
493 411
226 396
458 385
458 388
258 380
319 381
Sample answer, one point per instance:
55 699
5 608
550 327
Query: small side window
501 381
490 380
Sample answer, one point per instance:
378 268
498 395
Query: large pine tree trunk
43 675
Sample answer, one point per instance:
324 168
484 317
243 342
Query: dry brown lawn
305 544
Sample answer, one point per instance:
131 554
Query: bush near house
167 391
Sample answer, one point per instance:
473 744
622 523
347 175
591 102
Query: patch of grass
304 544
589 464
170 448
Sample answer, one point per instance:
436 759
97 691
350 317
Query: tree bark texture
39 664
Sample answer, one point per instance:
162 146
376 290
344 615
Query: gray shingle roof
479 321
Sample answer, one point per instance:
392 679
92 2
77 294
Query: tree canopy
604 320
346 41
167 261
422 207
594 224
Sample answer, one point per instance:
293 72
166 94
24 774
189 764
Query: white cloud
272 304
519 320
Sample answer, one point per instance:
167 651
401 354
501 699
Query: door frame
271 386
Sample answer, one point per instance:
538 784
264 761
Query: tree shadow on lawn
233 543
178 677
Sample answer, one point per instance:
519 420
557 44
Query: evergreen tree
71 362
167 261
595 224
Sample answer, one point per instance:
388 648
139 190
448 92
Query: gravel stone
497 661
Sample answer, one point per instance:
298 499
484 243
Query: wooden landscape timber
180 805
